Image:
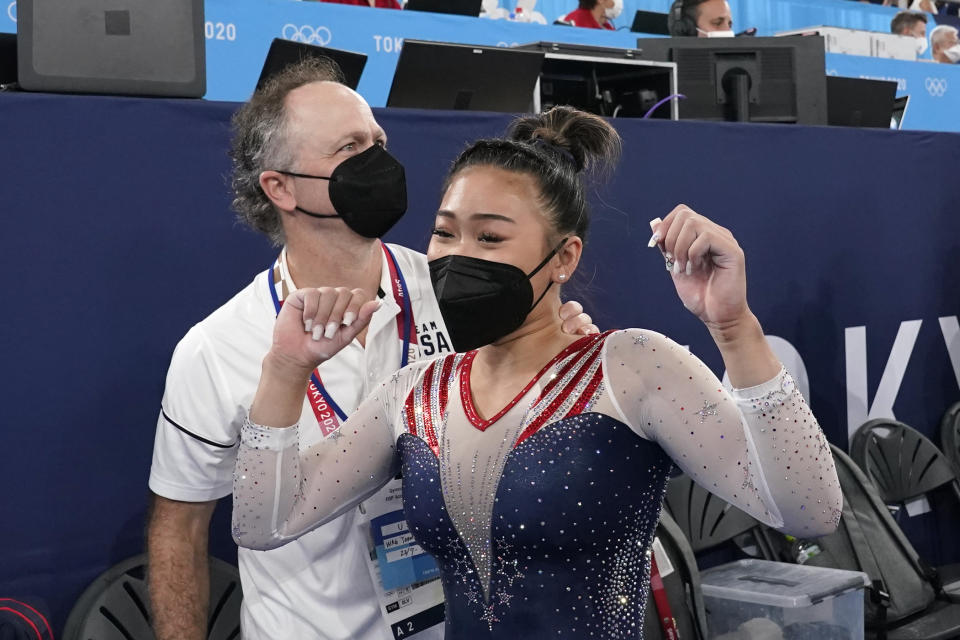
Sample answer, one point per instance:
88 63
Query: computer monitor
132 47
8 58
747 79
899 112
456 7
857 102
440 75
604 80
285 52
650 22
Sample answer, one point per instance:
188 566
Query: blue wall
117 238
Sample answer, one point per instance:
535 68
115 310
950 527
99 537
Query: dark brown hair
906 20
558 149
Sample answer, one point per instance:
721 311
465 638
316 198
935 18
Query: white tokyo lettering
950 328
859 407
305 33
388 44
12 10
936 87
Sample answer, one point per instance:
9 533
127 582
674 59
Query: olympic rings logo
12 10
308 34
936 87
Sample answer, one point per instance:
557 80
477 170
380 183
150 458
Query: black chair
682 587
708 521
904 465
901 603
115 605
950 436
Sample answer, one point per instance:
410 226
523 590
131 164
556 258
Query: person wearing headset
595 14
701 18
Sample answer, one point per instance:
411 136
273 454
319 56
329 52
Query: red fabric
380 4
583 18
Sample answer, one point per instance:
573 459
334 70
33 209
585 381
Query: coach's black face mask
482 301
368 190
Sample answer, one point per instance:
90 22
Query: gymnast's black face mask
368 190
482 301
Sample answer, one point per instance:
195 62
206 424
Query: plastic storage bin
761 600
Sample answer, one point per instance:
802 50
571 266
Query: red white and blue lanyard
329 414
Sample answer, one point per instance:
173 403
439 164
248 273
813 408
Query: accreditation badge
406 578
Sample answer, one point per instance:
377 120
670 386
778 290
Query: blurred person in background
912 24
595 14
945 44
701 18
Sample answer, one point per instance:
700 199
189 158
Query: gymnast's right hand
315 324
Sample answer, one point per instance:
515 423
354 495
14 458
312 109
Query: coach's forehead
328 111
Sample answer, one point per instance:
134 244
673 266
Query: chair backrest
706 520
23 619
682 587
950 436
869 540
899 460
115 605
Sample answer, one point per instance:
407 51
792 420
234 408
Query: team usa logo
432 340
305 33
936 87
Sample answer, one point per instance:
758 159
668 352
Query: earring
563 276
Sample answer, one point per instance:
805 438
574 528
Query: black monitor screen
747 79
437 75
286 52
857 102
457 7
8 58
650 22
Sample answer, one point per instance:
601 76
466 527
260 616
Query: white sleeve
760 449
195 446
280 492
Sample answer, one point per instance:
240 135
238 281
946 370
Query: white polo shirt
317 586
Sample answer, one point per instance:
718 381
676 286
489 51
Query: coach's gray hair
259 142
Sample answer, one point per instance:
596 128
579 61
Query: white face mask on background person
612 13
921 45
726 33
953 53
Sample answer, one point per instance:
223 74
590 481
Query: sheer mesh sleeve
760 448
281 492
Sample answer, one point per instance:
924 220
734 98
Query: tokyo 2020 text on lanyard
329 414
